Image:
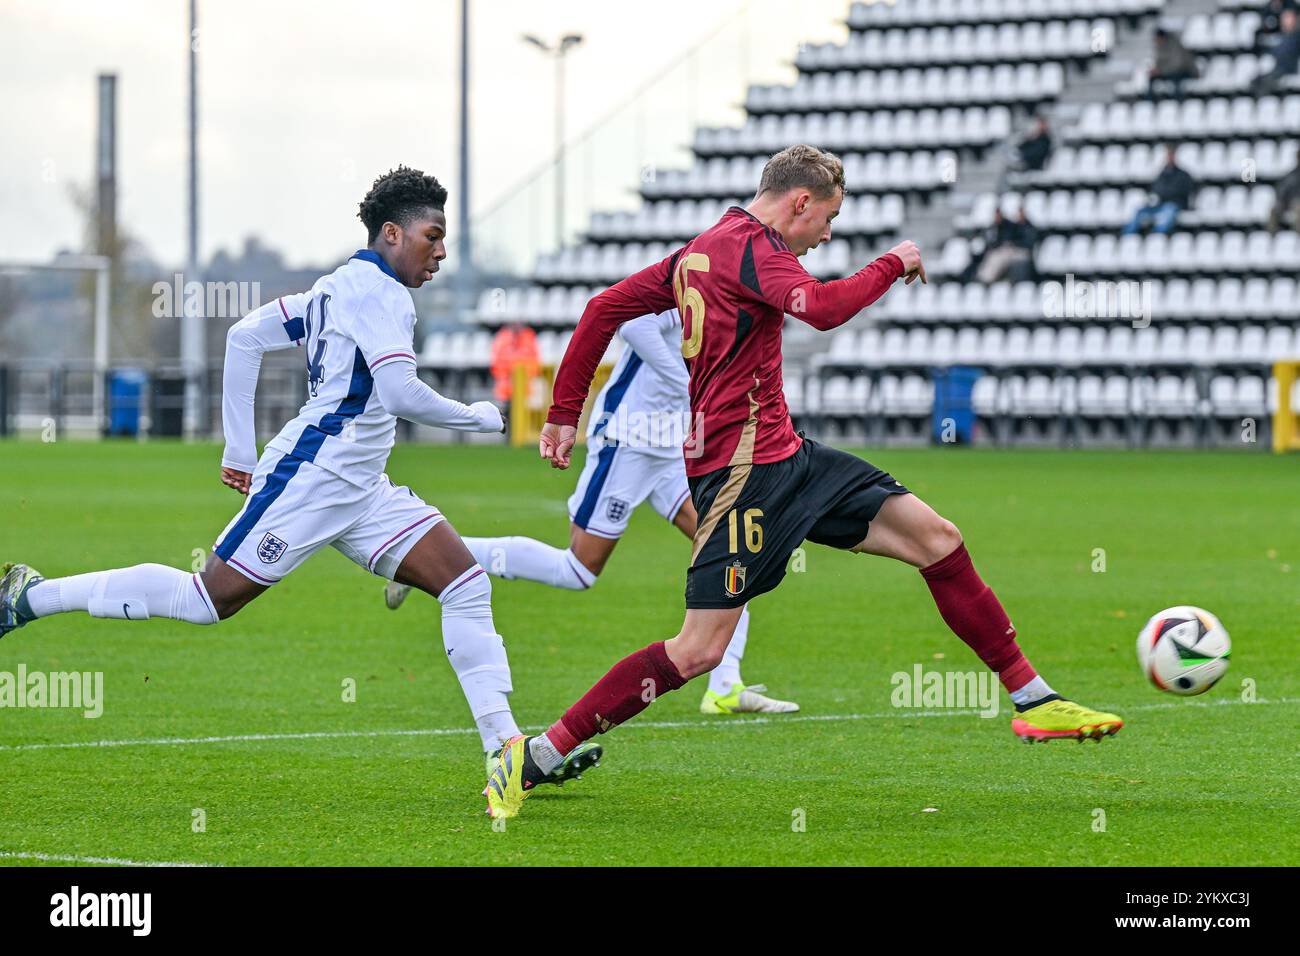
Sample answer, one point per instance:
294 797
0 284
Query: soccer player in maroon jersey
759 488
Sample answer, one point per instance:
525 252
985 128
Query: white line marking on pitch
646 724
105 860
235 738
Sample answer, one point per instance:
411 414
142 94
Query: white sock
478 655
518 557
544 753
1036 689
133 594
722 677
495 729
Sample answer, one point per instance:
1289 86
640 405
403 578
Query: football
1184 650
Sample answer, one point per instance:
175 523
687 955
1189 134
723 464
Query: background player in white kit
635 438
321 480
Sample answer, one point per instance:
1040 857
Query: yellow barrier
1286 423
531 400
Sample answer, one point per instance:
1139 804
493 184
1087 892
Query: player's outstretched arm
826 305
402 394
650 290
276 325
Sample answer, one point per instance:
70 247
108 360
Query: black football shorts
752 517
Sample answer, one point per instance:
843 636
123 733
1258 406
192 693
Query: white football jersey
352 322
646 402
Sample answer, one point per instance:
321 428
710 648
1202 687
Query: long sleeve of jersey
650 290
276 325
646 337
403 395
823 305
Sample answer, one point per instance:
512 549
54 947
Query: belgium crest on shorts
734 578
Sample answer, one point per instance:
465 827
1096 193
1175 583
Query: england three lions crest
734 578
271 549
616 510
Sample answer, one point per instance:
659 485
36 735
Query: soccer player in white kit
321 480
635 448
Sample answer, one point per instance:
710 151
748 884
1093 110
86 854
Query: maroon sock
973 611
629 688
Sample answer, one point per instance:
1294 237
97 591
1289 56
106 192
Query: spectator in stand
1286 55
1171 194
514 345
1174 66
1271 21
1034 149
1287 205
1008 251
1029 155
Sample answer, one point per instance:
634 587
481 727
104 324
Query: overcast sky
303 104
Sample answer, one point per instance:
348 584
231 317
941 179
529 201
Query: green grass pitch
395 777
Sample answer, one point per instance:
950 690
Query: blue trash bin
954 413
126 391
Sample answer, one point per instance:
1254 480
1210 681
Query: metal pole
559 147
465 268
193 244
106 168
193 347
106 230
102 293
561 47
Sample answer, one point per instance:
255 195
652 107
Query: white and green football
1184 650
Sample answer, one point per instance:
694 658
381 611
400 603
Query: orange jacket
511 347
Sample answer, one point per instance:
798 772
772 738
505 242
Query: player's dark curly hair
399 196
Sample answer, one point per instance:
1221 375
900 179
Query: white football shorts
616 479
295 508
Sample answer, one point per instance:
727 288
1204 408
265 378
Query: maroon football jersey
733 285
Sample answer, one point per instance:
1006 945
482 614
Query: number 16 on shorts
734 573
753 530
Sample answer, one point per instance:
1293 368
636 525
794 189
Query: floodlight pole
193 344
102 291
465 268
558 51
105 230
559 149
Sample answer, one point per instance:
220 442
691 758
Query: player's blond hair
803 167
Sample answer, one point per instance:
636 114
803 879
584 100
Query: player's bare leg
727 693
229 590
699 646
591 550
575 569
909 530
436 560
518 557
630 686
